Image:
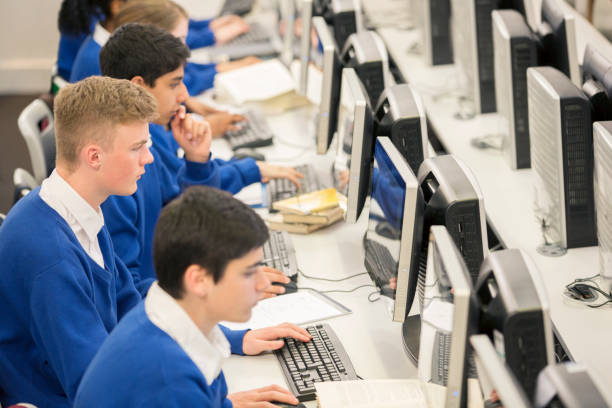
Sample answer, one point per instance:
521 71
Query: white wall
28 44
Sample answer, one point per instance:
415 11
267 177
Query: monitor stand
411 336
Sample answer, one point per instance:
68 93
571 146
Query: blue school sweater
199 34
140 365
58 304
69 45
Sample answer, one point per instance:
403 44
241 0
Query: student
62 287
199 77
208 255
154 59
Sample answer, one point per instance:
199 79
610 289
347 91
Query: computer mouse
246 152
289 287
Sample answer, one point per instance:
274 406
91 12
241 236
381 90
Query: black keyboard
321 359
238 7
280 254
379 262
280 189
253 132
257 34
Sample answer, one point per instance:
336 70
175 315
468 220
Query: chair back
36 126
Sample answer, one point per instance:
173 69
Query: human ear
197 280
138 80
93 156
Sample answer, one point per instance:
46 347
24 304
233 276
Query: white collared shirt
207 352
85 221
100 34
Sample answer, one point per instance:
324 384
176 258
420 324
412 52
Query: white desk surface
509 198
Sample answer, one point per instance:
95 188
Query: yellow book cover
308 203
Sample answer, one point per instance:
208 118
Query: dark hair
206 227
76 16
142 50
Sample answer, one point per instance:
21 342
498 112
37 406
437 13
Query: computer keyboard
280 189
257 33
258 41
253 132
238 7
441 358
321 359
379 262
279 253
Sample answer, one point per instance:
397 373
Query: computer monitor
602 140
449 318
557 33
514 313
432 17
401 116
325 58
395 226
561 137
515 49
355 128
597 83
305 40
343 15
365 52
286 19
567 385
493 372
453 199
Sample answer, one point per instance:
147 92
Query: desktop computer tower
602 141
366 53
401 116
432 17
514 313
561 136
515 49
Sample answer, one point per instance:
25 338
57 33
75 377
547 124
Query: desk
508 198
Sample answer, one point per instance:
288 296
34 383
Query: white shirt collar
207 352
100 35
71 206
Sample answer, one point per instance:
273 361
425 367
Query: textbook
304 224
310 202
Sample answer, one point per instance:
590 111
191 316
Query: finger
280 396
294 332
275 289
233 127
182 112
268 295
274 275
272 387
188 126
296 328
238 118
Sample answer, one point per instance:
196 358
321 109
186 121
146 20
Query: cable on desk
371 299
327 279
338 290
583 292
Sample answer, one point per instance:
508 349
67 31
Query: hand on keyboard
270 338
192 135
226 28
274 275
270 171
222 122
258 397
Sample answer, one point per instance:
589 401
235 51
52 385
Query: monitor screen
393 238
356 138
304 27
449 317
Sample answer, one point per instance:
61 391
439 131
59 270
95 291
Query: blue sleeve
127 294
66 325
199 24
87 62
175 395
66 53
195 173
200 37
199 77
235 338
237 174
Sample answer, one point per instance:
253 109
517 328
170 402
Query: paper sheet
372 394
251 195
300 307
439 314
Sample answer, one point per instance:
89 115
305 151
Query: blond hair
87 111
164 14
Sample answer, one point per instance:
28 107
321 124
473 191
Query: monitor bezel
306 16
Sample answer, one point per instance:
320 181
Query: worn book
324 217
308 203
277 222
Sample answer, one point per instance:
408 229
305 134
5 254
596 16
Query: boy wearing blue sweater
63 289
168 351
154 59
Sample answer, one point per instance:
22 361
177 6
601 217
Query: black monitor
365 52
401 116
495 375
355 129
453 199
326 59
395 226
515 49
557 33
561 136
597 83
343 15
567 385
433 18
449 317
514 313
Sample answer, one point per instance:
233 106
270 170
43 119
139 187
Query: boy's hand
274 275
227 28
271 171
262 397
222 122
192 135
267 339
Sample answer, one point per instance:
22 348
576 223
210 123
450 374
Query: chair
24 183
36 126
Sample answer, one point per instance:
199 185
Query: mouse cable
338 290
327 279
